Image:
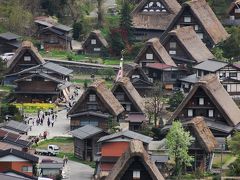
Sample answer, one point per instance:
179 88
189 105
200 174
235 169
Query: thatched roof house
154 48
208 98
26 55
203 134
105 96
95 42
202 17
124 168
155 15
188 43
125 86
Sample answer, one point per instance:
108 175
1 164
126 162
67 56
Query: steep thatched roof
131 92
135 149
233 5
159 51
203 134
128 70
155 20
104 94
26 46
218 95
193 45
97 34
206 17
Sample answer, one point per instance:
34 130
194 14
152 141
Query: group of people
48 115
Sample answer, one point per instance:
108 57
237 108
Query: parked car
52 150
6 56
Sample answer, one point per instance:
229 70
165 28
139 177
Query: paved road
61 126
106 4
74 170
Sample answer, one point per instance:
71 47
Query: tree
77 30
117 44
231 46
3 68
100 14
175 100
155 104
178 141
107 73
234 145
126 25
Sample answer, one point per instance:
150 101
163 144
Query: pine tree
126 22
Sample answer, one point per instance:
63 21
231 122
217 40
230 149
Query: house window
200 35
92 97
190 113
172 52
136 174
149 56
201 101
27 58
173 45
232 74
27 168
120 97
92 107
128 107
187 19
89 122
135 76
96 49
210 113
93 41
196 27
154 74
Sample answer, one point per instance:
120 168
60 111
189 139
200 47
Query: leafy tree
77 30
100 13
3 68
175 100
231 47
117 44
178 141
155 104
234 145
126 23
107 73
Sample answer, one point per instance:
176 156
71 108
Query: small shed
85 141
50 169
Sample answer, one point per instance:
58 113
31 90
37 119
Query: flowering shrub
34 107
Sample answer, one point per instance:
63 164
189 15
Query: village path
74 170
60 129
61 126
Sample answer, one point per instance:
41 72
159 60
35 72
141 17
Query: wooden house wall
194 21
136 164
146 34
92 147
37 86
202 110
180 51
143 60
86 105
80 121
89 48
53 41
21 64
126 100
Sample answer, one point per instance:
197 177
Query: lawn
217 159
66 148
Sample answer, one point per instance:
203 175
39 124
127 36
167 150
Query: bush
34 107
